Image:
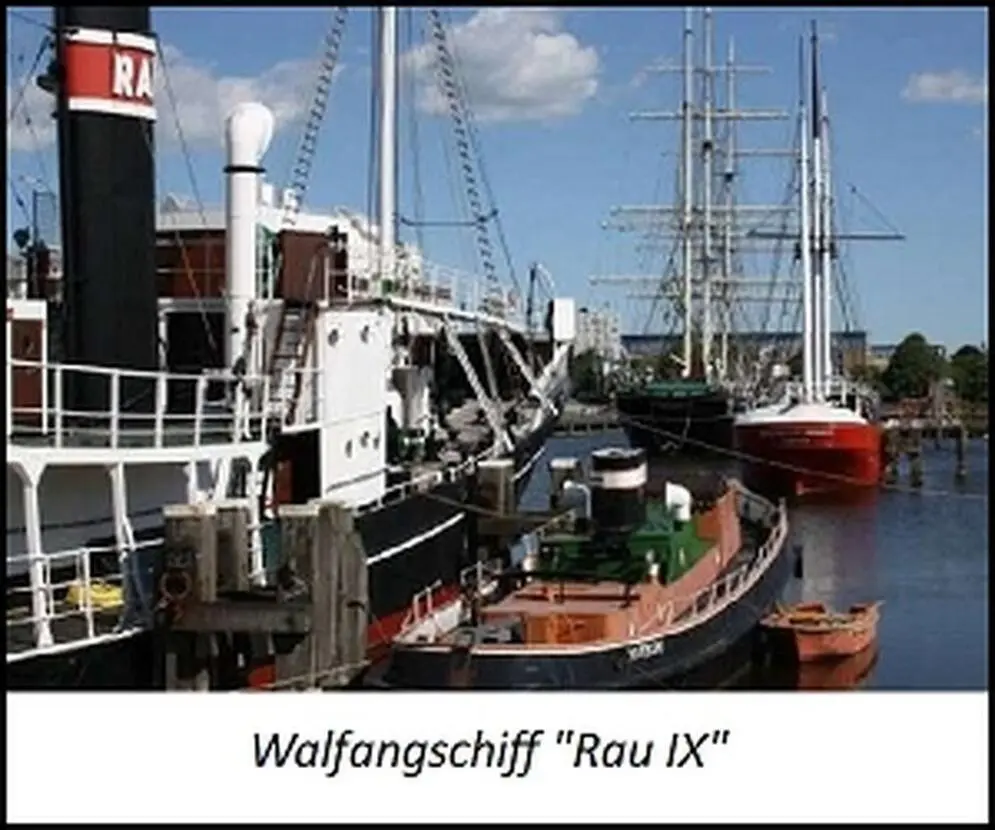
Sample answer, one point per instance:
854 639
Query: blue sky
552 89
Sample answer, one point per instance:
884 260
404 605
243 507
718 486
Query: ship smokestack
248 135
618 491
105 65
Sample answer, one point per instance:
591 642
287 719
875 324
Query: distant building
851 345
599 332
878 355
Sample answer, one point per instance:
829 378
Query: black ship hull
411 543
690 424
677 660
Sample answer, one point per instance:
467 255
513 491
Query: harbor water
923 553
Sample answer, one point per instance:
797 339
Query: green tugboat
635 590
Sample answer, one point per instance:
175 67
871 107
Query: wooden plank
233 546
295 664
351 602
325 587
190 562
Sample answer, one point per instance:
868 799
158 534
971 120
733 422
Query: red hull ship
819 438
809 449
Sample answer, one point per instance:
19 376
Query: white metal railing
79 609
214 413
478 579
439 287
422 606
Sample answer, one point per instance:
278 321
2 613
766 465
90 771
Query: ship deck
590 599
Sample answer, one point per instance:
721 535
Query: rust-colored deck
574 612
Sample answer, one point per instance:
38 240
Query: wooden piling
914 453
960 443
496 485
233 546
215 621
891 456
189 577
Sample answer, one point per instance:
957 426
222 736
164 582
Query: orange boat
812 631
837 675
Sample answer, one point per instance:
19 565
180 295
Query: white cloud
202 96
30 125
953 87
517 64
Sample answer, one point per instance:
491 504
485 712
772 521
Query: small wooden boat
812 631
839 674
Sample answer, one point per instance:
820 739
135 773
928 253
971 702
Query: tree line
916 365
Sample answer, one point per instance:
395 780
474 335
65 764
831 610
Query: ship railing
688 610
422 606
476 580
435 288
135 409
70 605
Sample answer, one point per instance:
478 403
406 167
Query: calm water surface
924 554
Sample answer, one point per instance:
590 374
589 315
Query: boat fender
678 499
799 562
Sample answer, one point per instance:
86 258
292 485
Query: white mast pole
827 265
687 164
707 173
387 128
819 370
730 178
806 257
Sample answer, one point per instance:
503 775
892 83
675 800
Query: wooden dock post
892 456
496 485
914 452
323 563
189 576
233 546
213 621
960 442
496 494
351 604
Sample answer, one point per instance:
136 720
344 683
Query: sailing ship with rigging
690 407
822 435
266 354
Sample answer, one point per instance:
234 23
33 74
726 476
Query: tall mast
806 256
387 135
819 372
729 179
687 168
826 268
707 174
684 224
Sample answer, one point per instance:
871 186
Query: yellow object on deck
102 595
